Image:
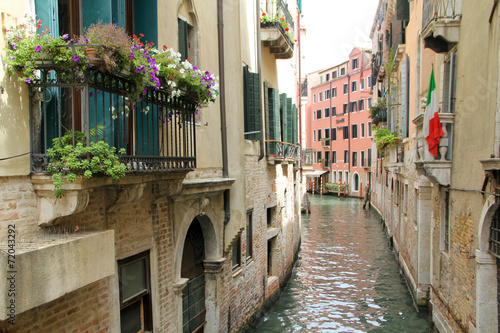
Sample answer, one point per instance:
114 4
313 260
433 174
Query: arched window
188 33
355 179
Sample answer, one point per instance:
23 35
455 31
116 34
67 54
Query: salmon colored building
338 126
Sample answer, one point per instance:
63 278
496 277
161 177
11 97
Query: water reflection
346 279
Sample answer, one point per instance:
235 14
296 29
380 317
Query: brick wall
84 310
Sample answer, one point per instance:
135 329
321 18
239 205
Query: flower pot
90 53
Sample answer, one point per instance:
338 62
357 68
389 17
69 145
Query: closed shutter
252 107
284 118
96 10
183 38
404 98
273 124
146 21
295 125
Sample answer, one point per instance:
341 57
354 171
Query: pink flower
38 48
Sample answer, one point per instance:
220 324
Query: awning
315 173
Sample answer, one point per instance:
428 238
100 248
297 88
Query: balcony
307 156
441 24
277 29
157 134
278 152
325 142
436 169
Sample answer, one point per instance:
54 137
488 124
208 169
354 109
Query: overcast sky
333 28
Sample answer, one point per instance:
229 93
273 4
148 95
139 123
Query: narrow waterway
346 279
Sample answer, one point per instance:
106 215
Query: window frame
346 88
249 240
354 129
354 86
355 63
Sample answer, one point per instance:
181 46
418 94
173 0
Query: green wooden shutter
273 124
294 125
146 20
289 120
118 12
251 93
284 119
183 38
96 10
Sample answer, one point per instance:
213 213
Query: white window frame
357 63
334 89
354 86
369 81
320 96
362 84
362 128
314 135
346 91
369 129
314 98
363 102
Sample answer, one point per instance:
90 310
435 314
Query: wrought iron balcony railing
282 150
158 133
434 10
441 24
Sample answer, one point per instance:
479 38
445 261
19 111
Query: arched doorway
193 295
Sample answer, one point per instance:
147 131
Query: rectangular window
345 108
354 106
318 114
354 86
314 115
135 293
342 71
327 112
345 88
362 84
355 64
334 158
361 104
362 130
314 98
327 133
318 156
334 92
346 132
237 254
334 111
369 102
369 81
334 134
327 77
362 158
249 235
369 157
346 156
314 136
334 74
354 158
320 96
369 129
319 134
327 158
354 131
270 216
445 232
327 94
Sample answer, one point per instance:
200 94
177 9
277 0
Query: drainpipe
349 127
299 98
222 86
331 142
259 70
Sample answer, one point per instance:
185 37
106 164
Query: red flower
282 19
261 20
287 28
263 14
135 36
47 29
188 60
142 35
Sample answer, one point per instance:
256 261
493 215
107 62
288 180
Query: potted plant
68 161
384 138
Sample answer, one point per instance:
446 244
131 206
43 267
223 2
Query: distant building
338 127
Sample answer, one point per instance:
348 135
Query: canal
346 279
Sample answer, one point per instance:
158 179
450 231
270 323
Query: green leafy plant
68 161
277 20
384 138
335 186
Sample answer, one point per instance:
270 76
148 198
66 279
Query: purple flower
13 46
19 38
195 68
131 56
38 48
27 80
76 58
145 90
65 36
139 69
86 40
91 93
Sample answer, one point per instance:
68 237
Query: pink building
338 127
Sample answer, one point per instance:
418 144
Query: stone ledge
45 271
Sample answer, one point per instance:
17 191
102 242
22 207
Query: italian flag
432 126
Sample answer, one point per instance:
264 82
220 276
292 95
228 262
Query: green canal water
346 279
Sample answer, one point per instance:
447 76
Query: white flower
146 109
172 66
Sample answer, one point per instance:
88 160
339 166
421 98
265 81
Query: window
318 156
415 205
342 71
345 108
334 158
320 96
333 133
345 88
369 129
314 136
319 134
354 86
362 84
327 94
314 98
318 114
346 156
334 92
327 112
361 104
355 64
354 106
354 131
362 158
327 133
249 235
362 130
334 74
270 216
314 115
354 158
135 293
346 132
251 104
237 254
445 224
327 158
369 81
327 77
405 200
369 102
369 158
334 111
